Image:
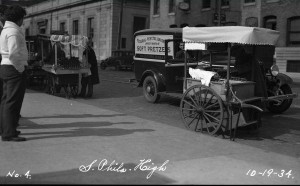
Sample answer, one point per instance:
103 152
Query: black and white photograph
150 92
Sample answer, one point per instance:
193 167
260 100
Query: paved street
109 138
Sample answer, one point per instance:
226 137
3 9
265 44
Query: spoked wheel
52 88
68 91
202 109
74 90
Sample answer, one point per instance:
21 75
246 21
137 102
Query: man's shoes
81 95
18 133
17 139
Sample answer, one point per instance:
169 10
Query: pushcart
214 99
66 73
35 74
225 102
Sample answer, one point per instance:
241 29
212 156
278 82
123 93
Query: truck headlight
274 70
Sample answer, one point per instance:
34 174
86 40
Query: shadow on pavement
76 116
76 129
102 176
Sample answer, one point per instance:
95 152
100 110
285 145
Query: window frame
204 7
171 6
62 26
251 2
90 27
270 17
227 5
289 32
75 31
156 7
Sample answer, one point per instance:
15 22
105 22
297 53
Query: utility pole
219 12
120 25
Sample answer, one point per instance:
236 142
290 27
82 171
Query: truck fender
284 79
158 78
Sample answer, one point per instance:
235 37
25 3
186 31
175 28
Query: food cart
65 73
35 73
214 99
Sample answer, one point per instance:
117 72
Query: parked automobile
120 59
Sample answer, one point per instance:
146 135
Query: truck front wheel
280 107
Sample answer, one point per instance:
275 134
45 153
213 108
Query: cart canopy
75 40
230 34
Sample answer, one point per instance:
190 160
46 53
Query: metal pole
55 54
219 13
185 70
120 25
228 72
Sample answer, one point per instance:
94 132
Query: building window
230 24
90 27
156 7
270 22
205 4
62 26
293 66
249 1
251 21
189 3
123 44
293 31
224 3
75 27
184 25
200 25
171 6
27 32
272 1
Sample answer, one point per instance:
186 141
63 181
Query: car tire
150 90
102 66
284 105
118 65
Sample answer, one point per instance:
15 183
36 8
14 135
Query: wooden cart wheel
74 90
202 109
67 90
52 85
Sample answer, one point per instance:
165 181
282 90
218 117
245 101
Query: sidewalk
63 135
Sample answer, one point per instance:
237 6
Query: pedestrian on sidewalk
89 80
2 21
12 71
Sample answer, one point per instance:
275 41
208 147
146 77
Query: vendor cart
65 73
35 74
214 98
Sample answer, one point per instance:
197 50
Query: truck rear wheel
150 89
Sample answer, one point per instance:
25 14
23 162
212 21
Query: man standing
2 21
90 80
12 72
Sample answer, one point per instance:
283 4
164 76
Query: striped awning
230 34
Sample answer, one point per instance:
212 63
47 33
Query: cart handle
242 103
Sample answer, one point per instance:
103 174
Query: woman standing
12 71
90 80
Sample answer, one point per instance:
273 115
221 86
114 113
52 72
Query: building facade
280 15
110 23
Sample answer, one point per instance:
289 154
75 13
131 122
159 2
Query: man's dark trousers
14 87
